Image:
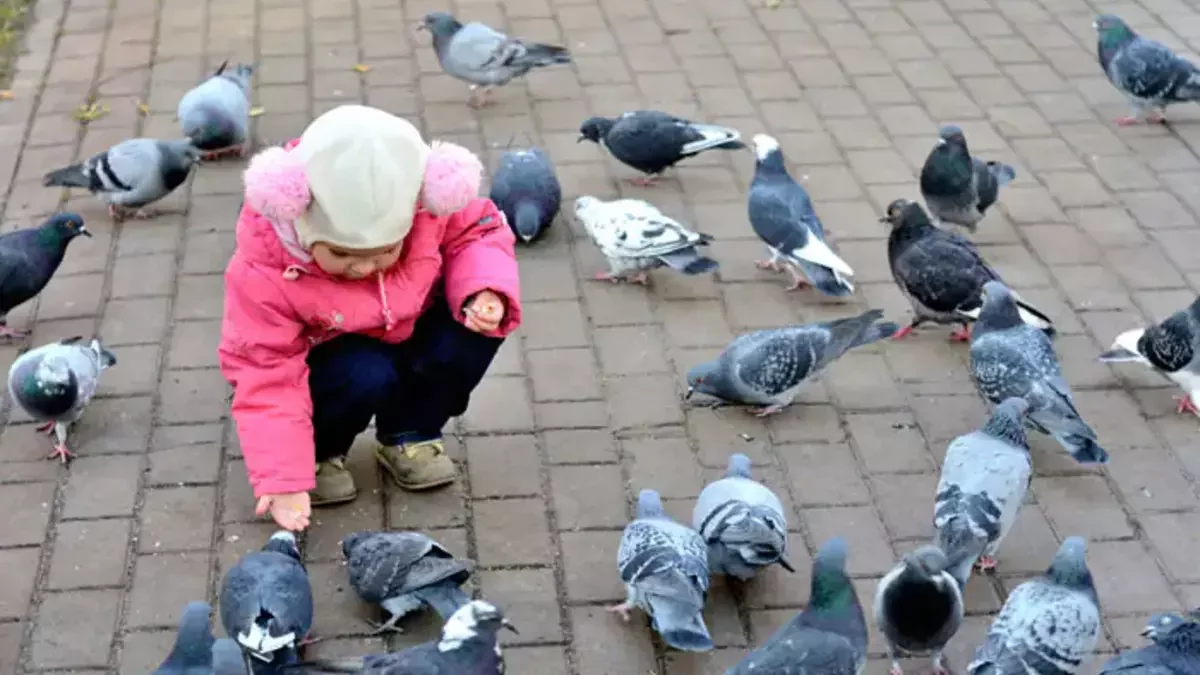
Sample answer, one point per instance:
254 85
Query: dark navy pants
412 388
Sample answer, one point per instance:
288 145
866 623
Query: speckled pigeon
527 190
29 257
54 384
228 658
1049 625
1010 358
919 607
267 601
404 571
216 113
743 523
957 187
766 368
1171 347
635 237
1174 648
941 273
984 478
664 566
828 638
652 141
193 650
1145 71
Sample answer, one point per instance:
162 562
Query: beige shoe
335 485
418 466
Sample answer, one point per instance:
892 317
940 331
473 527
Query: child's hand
291 511
484 312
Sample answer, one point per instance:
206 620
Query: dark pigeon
919 607
1171 347
652 141
527 190
216 113
1146 72
29 257
1174 648
193 650
957 187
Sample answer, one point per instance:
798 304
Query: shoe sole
332 501
411 487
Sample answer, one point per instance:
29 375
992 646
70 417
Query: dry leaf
88 112
6 95
361 68
257 111
143 108
771 4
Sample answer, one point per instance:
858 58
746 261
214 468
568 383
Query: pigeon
766 368
468 646
957 187
1174 648
636 237
403 571
652 141
267 603
828 638
941 273
131 174
984 479
1171 347
526 189
228 658
1145 71
1010 358
193 650
29 257
742 522
1048 625
919 607
54 384
782 215
216 114
484 57
665 569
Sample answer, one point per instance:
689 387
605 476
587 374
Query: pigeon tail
713 137
818 252
689 261
1033 316
680 626
444 597
210 129
541 55
1083 449
880 331
527 220
1003 173
75 175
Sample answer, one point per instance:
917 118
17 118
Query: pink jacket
278 306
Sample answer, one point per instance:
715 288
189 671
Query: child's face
351 263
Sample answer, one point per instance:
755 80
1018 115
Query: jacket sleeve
263 355
479 252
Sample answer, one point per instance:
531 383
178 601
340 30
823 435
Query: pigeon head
1112 30
1069 566
649 505
193 644
585 204
240 74
767 152
1162 625
106 358
1007 422
928 561
440 24
594 129
181 155
906 213
831 588
739 465
952 135
999 308
61 228
283 542
707 378
477 617
352 540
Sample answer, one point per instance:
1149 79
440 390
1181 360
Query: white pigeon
1171 347
636 237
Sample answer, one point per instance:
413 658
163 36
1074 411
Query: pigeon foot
477 100
644 181
61 453
120 214
309 639
961 334
1185 404
9 334
639 278
797 283
986 563
1128 120
231 151
47 428
622 609
903 333
896 669
388 626
766 410
772 265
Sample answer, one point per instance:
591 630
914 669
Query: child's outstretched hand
484 312
291 511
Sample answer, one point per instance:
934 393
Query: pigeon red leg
644 181
903 332
961 334
1185 404
607 276
622 610
896 669
1128 120
938 668
61 453
640 278
766 410
309 639
47 428
116 213
771 264
985 563
798 282
10 334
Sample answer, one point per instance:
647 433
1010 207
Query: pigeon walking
29 257
267 602
1049 624
1174 648
1171 347
766 368
131 174
942 273
652 141
919 607
635 237
527 190
665 569
828 638
1145 71
984 478
216 114
404 571
54 384
742 522
484 57
1010 358
957 187
782 215
193 650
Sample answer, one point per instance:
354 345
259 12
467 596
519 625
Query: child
368 281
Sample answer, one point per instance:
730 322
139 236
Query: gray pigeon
216 114
782 215
55 382
635 237
652 141
742 522
1010 358
1049 625
527 190
941 273
828 638
919 607
1146 72
766 368
484 57
228 658
957 187
1171 347
267 603
468 646
985 476
29 257
404 571
1174 649
131 174
665 569
193 650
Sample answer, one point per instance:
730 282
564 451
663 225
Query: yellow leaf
143 108
772 4
361 68
257 111
88 112
6 95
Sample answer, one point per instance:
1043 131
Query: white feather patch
819 253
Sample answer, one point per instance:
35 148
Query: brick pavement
581 409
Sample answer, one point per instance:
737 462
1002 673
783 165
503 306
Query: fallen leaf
143 108
88 112
361 68
771 4
257 111
6 95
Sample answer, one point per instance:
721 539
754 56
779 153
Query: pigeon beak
783 561
1118 354
581 138
687 396
885 219
421 26
508 624
84 231
1148 631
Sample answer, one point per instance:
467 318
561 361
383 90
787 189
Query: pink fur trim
276 185
452 178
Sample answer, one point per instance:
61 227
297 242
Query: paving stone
89 553
512 532
162 583
55 645
21 566
28 506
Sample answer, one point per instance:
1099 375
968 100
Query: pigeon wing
777 361
20 275
801 650
943 272
479 47
131 165
1149 70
